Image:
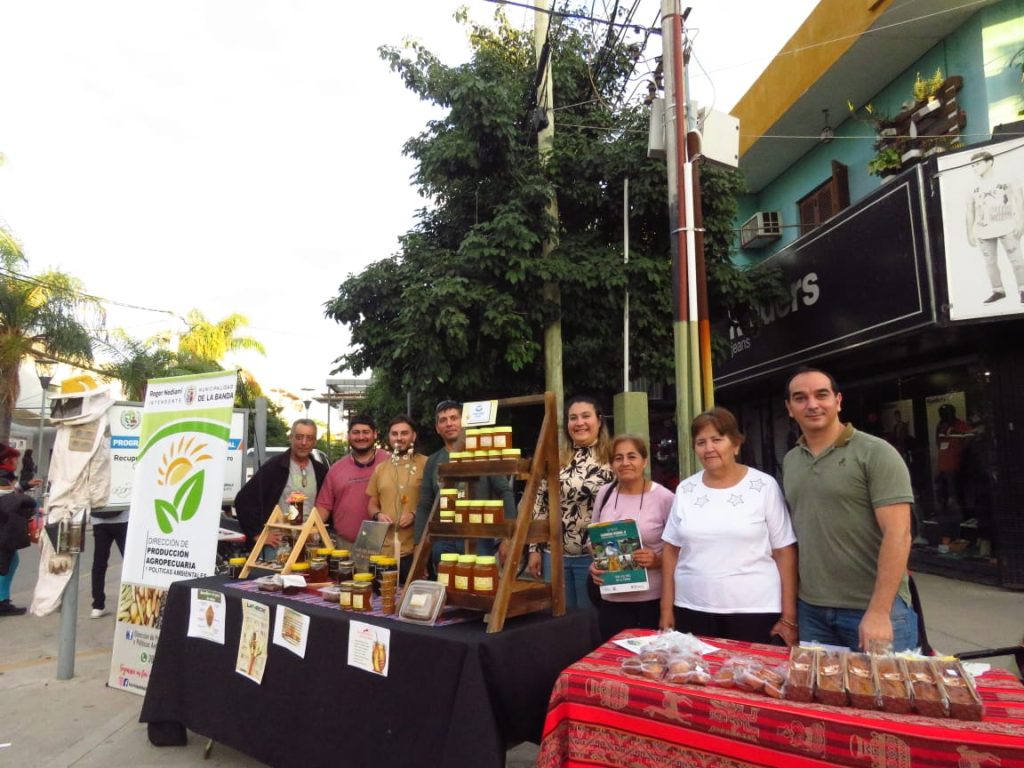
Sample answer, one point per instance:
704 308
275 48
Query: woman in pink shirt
631 496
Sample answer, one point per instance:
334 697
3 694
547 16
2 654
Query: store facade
889 296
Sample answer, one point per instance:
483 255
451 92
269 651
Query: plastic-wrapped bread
830 678
861 681
893 685
963 698
928 695
800 679
687 670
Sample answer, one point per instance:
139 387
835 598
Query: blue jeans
841 626
5 581
577 572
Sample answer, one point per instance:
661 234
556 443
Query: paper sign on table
369 647
206 615
252 641
291 629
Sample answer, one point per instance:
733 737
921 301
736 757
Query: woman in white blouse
729 562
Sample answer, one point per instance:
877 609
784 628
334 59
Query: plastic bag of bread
862 681
893 686
830 678
963 698
687 669
800 675
725 675
929 699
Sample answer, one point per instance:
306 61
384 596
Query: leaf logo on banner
176 467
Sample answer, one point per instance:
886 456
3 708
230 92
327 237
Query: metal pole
68 625
625 305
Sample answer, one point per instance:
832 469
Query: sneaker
7 608
996 296
98 613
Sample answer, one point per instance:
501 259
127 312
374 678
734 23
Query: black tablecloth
454 695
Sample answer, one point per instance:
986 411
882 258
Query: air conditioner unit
760 229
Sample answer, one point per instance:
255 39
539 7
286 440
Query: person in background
631 496
585 468
729 562
16 509
342 499
394 490
294 470
105 532
850 496
28 469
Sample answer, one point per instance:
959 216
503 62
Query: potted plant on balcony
886 162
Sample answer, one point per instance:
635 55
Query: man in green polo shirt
849 496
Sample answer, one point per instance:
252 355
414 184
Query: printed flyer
369 647
291 630
206 615
614 544
252 641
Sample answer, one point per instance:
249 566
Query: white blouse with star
726 537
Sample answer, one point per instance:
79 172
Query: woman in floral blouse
585 468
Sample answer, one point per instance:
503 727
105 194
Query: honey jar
447 499
446 569
319 571
447 516
494 511
485 440
235 566
475 514
299 569
362 592
463 576
502 438
345 595
472 439
485 575
462 510
511 453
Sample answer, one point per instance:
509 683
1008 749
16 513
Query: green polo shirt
832 500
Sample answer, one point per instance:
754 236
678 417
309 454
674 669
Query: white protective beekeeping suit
79 476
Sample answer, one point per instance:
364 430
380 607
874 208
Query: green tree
45 314
135 362
213 341
457 312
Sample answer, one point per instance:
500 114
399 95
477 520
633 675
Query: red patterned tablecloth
599 717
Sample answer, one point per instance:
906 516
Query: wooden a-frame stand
276 522
514 596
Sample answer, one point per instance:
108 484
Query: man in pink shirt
343 500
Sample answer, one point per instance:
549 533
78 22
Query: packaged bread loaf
928 696
686 669
893 685
963 698
830 684
800 678
861 681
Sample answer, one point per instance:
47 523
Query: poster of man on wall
983 223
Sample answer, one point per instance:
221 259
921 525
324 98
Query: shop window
826 200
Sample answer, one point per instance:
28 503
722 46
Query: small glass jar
476 512
462 510
511 453
502 437
485 576
446 570
334 562
494 455
458 457
463 576
447 516
346 569
362 596
494 511
485 441
345 595
472 439
447 498
235 566
319 571
299 569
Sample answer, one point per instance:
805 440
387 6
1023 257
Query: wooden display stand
514 597
276 522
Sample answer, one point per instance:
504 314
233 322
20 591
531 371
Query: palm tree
211 341
136 362
38 315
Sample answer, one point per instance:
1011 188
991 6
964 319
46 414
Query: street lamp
308 399
44 370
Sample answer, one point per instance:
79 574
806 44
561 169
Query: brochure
614 544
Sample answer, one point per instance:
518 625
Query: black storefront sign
861 277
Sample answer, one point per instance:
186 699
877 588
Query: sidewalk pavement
82 723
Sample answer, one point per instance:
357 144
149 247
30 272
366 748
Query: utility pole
551 293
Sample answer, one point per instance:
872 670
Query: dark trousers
104 534
612 618
748 627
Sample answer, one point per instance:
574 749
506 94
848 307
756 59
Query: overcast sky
245 155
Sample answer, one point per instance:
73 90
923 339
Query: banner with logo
176 497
